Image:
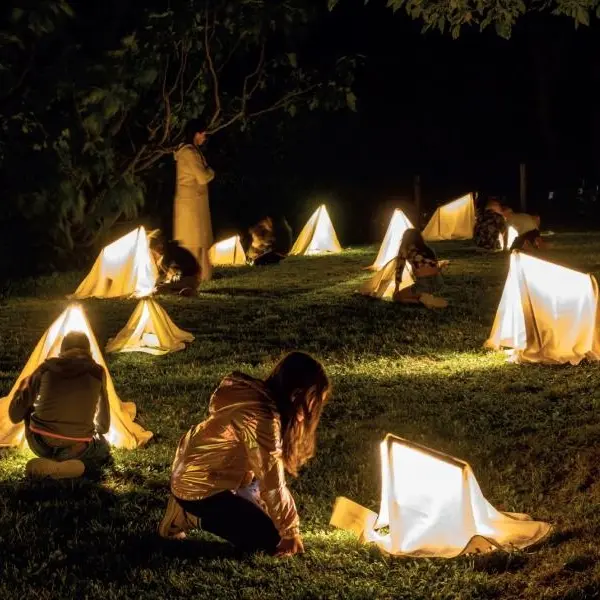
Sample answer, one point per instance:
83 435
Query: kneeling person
527 228
229 470
64 405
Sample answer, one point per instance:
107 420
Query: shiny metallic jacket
240 440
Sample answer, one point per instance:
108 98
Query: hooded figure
64 404
192 226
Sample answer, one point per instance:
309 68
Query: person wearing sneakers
64 405
228 473
425 267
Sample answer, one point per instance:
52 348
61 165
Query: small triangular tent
511 236
149 330
452 221
124 268
383 283
124 433
432 506
547 313
318 235
228 252
391 242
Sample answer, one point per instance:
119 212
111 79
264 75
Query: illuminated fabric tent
124 268
510 238
123 433
149 330
391 242
228 252
382 284
452 221
432 506
318 235
547 313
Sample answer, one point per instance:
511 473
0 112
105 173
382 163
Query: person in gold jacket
228 470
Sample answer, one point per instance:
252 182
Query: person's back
70 387
522 222
64 405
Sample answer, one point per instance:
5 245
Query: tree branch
213 73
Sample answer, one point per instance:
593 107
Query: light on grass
432 506
124 268
399 223
452 221
123 431
547 313
318 236
228 252
149 330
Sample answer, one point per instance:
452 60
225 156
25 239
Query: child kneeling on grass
228 471
426 269
64 404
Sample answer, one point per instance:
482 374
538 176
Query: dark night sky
464 112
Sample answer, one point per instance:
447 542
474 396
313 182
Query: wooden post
417 199
523 187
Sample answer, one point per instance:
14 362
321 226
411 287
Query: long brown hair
299 386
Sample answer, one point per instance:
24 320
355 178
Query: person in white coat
192 226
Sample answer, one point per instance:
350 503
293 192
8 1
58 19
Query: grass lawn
531 433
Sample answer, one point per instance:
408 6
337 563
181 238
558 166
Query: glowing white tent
228 252
124 268
318 235
432 506
452 221
123 433
391 242
149 330
383 283
547 313
510 238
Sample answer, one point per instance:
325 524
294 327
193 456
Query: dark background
460 113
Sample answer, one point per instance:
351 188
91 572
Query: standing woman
192 226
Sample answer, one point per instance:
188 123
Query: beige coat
192 226
241 439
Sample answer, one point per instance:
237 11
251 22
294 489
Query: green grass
531 433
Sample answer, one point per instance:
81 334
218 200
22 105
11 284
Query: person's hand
290 546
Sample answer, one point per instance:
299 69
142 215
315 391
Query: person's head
195 132
75 340
507 211
300 388
156 241
412 237
494 205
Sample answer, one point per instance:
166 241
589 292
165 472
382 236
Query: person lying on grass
425 267
64 404
228 473
527 228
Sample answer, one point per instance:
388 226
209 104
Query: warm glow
228 252
149 330
383 284
452 221
431 505
510 238
123 431
124 268
547 312
392 240
150 340
318 235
